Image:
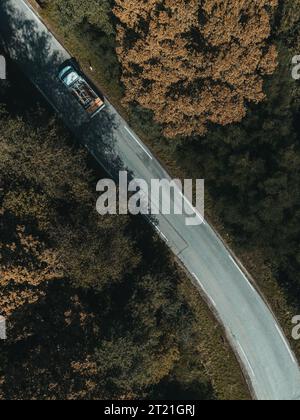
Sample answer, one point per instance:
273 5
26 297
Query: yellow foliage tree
26 265
194 62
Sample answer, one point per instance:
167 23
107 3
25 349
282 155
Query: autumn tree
194 62
26 266
52 187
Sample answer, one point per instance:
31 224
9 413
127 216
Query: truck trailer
91 102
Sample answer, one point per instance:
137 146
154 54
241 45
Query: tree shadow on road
39 55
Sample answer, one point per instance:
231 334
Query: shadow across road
34 49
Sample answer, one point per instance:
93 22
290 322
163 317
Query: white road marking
247 360
200 284
286 343
243 274
160 232
164 237
213 302
194 209
138 142
237 266
255 291
148 154
194 275
188 202
27 5
277 328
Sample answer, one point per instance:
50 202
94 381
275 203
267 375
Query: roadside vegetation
251 167
194 63
95 307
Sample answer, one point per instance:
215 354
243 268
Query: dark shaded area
172 390
35 52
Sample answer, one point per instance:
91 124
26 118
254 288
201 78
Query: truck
73 79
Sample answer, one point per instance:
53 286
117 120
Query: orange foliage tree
194 62
26 266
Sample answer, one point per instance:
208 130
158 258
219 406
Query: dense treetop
193 63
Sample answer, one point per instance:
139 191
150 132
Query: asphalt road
254 333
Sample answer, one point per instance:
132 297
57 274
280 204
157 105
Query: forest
208 86
85 322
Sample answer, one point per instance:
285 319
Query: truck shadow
39 55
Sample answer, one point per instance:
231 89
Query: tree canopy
195 63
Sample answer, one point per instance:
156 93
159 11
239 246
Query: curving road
254 333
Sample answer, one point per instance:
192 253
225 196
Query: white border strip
286 343
243 274
161 234
138 142
200 284
246 358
